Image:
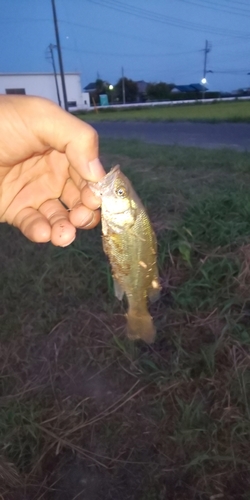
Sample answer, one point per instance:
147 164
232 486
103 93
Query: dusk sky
160 40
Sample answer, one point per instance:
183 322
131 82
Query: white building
44 85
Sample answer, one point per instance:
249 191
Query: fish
130 244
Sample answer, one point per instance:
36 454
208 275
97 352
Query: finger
80 215
70 195
84 218
66 133
77 178
33 225
62 230
87 197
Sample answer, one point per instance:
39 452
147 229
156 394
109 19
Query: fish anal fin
118 289
154 294
154 290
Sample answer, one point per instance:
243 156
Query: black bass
130 244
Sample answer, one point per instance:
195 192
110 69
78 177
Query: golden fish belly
132 255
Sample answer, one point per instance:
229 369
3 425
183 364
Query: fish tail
140 326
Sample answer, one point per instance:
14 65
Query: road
205 135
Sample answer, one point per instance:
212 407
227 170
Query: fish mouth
108 180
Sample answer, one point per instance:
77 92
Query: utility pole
51 47
206 51
123 88
60 56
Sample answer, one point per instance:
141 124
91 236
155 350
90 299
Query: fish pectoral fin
140 326
118 289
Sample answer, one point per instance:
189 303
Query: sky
153 40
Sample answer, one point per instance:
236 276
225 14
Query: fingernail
96 169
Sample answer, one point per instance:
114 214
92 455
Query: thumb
70 135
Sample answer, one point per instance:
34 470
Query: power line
231 71
117 33
239 3
163 19
125 35
116 54
80 25
217 7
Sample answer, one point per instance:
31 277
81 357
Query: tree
131 90
101 87
159 91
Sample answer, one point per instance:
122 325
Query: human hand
46 157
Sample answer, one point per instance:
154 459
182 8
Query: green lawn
84 413
236 111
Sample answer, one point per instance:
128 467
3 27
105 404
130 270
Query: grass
84 413
235 111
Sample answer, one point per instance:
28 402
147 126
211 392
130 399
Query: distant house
91 87
192 87
141 89
241 92
96 86
46 85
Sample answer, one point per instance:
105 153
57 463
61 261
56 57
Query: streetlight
204 81
111 88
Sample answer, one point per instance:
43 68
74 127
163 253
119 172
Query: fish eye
120 192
